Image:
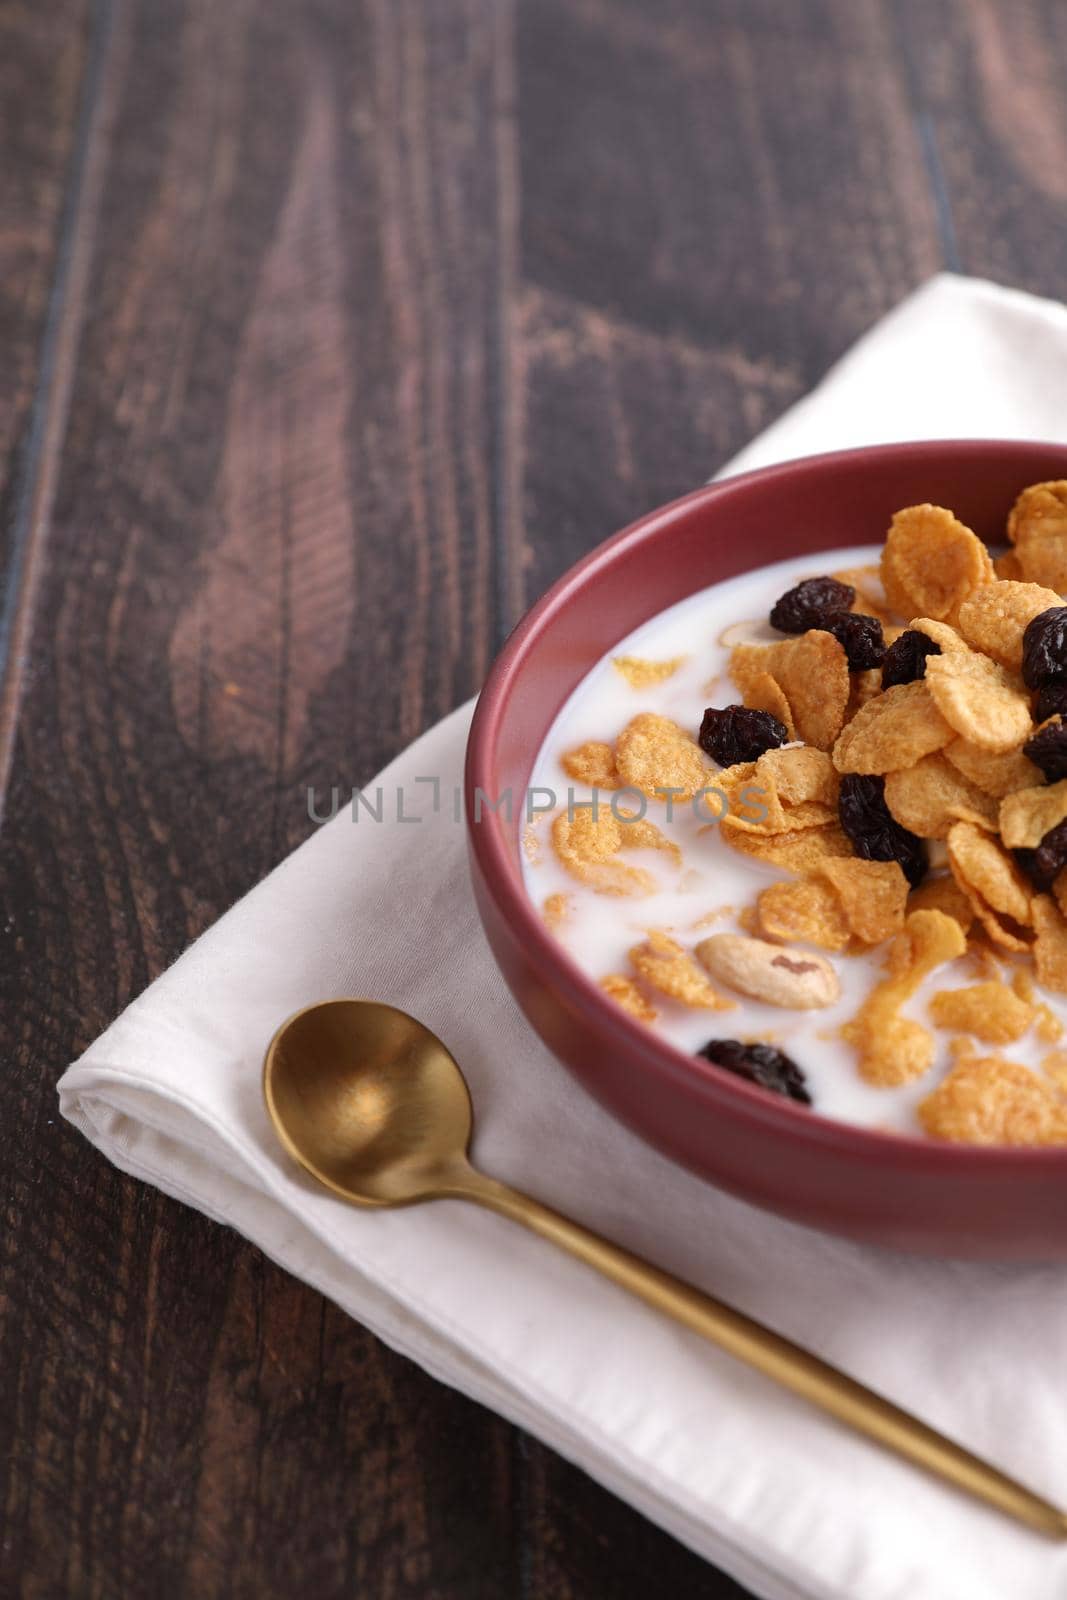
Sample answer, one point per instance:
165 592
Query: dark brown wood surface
330 333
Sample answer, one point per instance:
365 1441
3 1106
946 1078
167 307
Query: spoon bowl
369 1102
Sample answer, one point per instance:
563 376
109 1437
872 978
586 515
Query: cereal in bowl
861 829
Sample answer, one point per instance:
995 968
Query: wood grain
390 309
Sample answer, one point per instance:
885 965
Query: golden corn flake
587 842
1040 512
997 890
947 639
930 796
1028 814
931 563
1054 1066
798 776
592 763
764 693
894 1049
994 618
640 834
1023 984
870 595
865 685
664 964
1047 1024
652 752
1050 945
894 730
804 909
995 774
1037 526
992 1011
785 790
798 850
1008 566
556 910
812 672
744 802
943 894
979 699
988 1100
872 895
640 674
624 992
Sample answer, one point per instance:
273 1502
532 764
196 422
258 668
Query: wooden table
332 331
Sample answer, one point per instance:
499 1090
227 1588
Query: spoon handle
778 1358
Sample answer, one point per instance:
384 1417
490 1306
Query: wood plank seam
37 473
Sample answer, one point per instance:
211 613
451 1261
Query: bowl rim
554 967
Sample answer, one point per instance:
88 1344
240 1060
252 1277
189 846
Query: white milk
713 878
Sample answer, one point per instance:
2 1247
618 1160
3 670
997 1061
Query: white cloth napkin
788 1502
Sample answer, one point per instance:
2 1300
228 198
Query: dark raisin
875 833
1051 701
1045 649
1044 865
734 733
1047 749
810 603
761 1064
861 636
905 659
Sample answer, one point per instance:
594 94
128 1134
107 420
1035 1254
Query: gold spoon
372 1105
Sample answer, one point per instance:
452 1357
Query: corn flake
1054 1066
799 775
930 796
992 1011
1008 566
931 563
652 752
870 598
894 730
943 894
995 774
1037 526
979 699
811 671
641 674
997 890
625 992
988 1100
942 634
1047 1024
764 693
804 909
798 850
557 910
1028 814
865 685
871 894
1050 945
894 1049
587 841
994 618
664 964
592 763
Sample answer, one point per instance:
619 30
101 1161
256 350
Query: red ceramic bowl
908 1193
